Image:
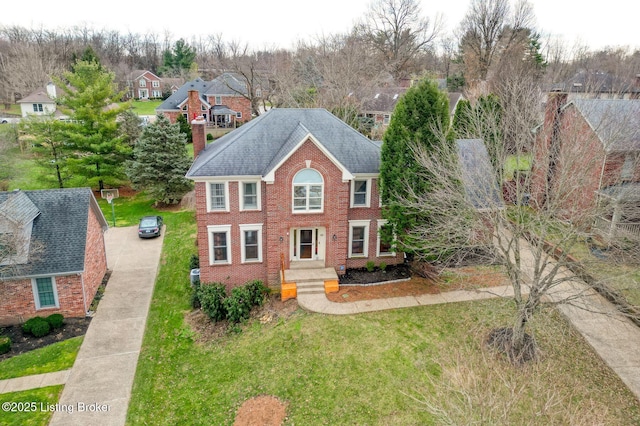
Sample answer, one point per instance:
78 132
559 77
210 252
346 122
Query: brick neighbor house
601 136
52 253
222 102
143 84
293 185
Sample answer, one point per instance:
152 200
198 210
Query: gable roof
478 179
18 209
595 82
136 74
384 99
225 85
261 145
616 122
60 229
39 96
173 101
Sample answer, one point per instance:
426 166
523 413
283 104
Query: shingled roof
259 146
60 229
226 84
615 121
480 184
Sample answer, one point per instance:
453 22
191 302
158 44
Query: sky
280 23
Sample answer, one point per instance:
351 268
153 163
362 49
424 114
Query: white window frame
258 195
386 118
226 197
367 201
239 115
214 229
217 100
143 82
156 93
628 167
155 83
307 210
381 223
250 227
36 294
365 248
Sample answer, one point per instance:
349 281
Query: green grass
129 210
39 399
14 109
516 162
394 367
145 107
55 357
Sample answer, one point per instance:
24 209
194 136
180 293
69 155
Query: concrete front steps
301 280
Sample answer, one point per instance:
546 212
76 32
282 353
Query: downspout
84 294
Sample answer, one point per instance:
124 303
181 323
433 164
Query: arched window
307 191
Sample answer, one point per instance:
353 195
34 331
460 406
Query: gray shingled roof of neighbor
40 96
60 230
226 84
258 146
478 178
172 102
615 121
18 209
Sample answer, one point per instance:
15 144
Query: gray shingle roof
225 85
615 121
479 181
60 230
258 146
18 209
172 102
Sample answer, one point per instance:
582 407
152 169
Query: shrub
37 327
382 266
194 262
209 137
370 265
212 300
238 305
5 344
257 291
55 320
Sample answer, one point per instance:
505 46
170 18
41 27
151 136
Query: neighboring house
291 188
143 84
222 102
601 136
599 85
52 253
41 102
478 176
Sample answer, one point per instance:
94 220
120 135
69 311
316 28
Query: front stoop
309 281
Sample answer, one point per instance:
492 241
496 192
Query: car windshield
148 222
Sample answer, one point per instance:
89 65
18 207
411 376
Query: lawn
424 365
145 107
54 357
38 399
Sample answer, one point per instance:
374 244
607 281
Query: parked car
150 226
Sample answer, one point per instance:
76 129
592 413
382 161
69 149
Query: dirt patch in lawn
465 278
261 410
22 342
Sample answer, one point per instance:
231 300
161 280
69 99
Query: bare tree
533 241
397 32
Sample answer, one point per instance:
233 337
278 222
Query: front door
307 244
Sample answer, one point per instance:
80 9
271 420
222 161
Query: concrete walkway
34 381
98 388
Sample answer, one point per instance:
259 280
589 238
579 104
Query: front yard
425 365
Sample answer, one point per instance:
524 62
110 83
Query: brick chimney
198 135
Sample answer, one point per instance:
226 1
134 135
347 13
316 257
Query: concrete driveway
99 385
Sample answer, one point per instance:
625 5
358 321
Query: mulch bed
362 276
21 342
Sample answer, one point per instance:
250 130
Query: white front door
307 243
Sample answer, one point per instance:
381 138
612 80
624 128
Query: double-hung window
251 240
360 192
218 197
359 238
219 244
44 292
307 191
249 195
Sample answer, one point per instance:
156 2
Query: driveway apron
99 385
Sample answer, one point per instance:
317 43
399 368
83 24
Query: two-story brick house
222 102
596 139
292 184
52 253
143 84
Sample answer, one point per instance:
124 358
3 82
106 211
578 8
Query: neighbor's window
37 107
220 239
143 83
155 83
307 191
45 293
218 100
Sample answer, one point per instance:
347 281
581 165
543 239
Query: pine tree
160 162
421 116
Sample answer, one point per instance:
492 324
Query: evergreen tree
420 117
178 60
130 127
89 99
160 161
185 127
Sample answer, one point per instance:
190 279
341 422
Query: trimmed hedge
37 327
55 320
211 297
213 300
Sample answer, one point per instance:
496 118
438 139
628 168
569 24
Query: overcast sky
267 23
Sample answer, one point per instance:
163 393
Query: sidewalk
99 384
34 381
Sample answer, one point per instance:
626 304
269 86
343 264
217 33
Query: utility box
194 276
